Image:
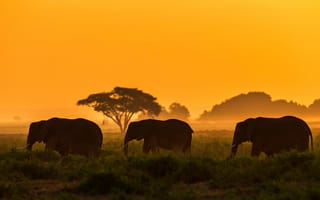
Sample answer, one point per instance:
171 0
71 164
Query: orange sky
195 52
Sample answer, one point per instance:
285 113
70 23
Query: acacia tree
121 104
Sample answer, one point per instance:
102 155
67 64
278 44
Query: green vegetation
205 174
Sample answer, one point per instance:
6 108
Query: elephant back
180 125
78 136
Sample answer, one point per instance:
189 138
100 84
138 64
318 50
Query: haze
197 53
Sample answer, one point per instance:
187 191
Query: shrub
103 183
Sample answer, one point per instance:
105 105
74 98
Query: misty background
222 116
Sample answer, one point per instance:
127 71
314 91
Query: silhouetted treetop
176 110
121 104
314 108
179 111
253 104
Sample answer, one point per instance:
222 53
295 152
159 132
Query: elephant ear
241 132
134 131
150 128
250 126
145 128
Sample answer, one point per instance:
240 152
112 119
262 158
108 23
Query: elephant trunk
29 146
30 143
125 147
235 142
234 150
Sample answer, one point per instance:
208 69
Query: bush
103 183
155 166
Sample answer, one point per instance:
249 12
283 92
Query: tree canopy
121 104
254 104
176 110
179 111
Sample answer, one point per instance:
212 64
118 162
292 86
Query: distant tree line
255 104
176 110
122 104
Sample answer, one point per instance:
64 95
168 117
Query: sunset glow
197 53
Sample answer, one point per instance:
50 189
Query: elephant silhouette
170 134
67 136
272 135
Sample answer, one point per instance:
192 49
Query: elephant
67 136
272 135
172 134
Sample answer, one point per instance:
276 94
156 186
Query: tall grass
203 174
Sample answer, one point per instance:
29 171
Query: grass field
205 174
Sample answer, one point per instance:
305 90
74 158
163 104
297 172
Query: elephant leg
51 145
48 147
146 147
270 154
155 149
255 151
150 144
62 152
186 149
62 148
153 143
